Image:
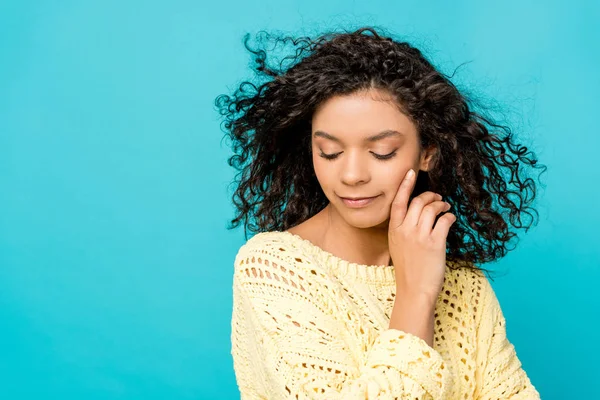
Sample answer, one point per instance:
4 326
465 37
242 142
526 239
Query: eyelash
377 156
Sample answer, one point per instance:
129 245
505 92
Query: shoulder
463 275
275 277
273 245
275 252
468 285
465 283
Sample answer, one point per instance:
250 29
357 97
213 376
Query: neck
367 246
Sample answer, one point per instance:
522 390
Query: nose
354 169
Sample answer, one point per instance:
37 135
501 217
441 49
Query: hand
417 249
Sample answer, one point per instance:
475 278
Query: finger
416 207
429 214
400 202
442 227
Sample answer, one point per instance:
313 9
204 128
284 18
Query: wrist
419 300
414 315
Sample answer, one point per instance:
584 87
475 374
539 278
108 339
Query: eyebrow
374 138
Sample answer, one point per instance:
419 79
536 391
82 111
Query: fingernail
411 173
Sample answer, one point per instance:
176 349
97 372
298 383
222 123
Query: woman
360 283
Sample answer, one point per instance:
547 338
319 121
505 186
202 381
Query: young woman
374 189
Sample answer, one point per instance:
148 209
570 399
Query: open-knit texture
309 325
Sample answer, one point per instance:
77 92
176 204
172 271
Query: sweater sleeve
291 341
502 374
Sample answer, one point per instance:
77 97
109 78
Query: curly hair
478 168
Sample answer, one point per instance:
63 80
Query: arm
502 376
292 339
414 315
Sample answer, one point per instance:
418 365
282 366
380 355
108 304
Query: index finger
400 202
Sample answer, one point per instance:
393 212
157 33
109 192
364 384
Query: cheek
391 190
322 171
390 180
392 173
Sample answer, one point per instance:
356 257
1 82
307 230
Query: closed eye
333 156
330 156
384 156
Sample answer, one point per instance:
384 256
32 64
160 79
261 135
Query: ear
427 157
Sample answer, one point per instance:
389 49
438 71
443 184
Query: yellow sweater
309 325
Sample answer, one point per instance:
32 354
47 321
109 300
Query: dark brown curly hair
477 168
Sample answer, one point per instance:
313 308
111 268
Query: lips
357 202
357 198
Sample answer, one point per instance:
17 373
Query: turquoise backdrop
115 260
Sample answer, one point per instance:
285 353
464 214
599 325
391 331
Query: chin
365 220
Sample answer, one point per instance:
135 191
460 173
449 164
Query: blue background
115 261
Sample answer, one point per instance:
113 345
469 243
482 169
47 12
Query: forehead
360 115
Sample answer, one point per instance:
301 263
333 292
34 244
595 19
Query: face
363 146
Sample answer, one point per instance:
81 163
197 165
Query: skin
360 235
348 147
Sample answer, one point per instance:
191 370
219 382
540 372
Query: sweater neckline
340 266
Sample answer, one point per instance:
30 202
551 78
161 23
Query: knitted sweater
309 325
